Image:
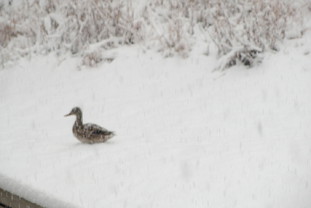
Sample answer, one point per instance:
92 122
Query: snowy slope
186 136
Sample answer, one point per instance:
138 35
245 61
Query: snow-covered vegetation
240 30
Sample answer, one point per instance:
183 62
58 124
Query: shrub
240 29
244 29
68 25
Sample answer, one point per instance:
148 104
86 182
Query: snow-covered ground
187 136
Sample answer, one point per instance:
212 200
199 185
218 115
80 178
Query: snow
186 135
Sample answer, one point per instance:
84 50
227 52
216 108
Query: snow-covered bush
92 59
240 29
243 29
66 25
93 21
169 27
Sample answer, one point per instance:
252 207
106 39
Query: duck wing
95 130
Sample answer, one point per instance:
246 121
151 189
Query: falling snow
186 135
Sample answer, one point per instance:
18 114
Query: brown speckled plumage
88 133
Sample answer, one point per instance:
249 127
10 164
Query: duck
88 133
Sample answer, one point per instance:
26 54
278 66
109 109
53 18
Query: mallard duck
88 133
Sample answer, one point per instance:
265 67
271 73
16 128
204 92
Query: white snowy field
187 136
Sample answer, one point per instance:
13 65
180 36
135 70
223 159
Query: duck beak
69 114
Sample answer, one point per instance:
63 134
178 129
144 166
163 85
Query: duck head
75 111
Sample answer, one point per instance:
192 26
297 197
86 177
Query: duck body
91 133
88 133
